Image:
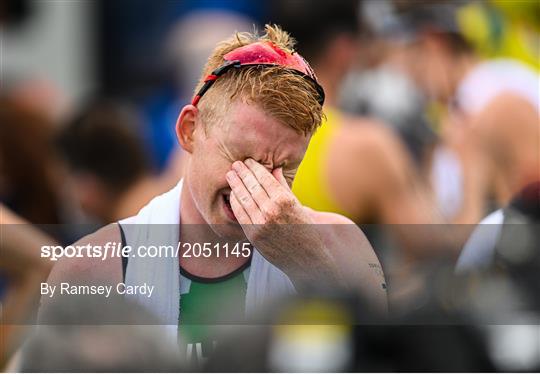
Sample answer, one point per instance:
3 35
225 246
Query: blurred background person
354 165
467 168
490 107
488 116
381 86
495 101
188 42
21 271
481 248
357 165
30 175
109 171
155 67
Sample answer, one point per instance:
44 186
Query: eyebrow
233 153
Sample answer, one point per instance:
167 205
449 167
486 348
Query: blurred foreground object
499 266
334 333
480 250
94 334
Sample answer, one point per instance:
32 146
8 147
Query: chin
228 230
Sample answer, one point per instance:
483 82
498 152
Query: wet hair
279 92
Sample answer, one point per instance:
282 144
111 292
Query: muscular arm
508 130
372 177
384 176
354 256
311 248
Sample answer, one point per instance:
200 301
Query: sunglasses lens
268 53
261 53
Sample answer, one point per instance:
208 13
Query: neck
194 229
193 226
190 215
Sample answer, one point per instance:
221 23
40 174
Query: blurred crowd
430 142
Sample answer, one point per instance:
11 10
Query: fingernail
248 161
236 165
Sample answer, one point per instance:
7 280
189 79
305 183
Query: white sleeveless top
479 250
484 83
493 77
158 222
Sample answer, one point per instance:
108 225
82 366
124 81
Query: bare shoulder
367 132
505 109
85 268
373 143
342 233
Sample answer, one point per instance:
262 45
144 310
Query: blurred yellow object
316 312
310 348
522 11
503 28
310 184
312 336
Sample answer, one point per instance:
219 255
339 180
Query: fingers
264 177
239 212
278 175
251 182
244 198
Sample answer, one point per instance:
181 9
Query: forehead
248 129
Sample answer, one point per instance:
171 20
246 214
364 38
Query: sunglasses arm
210 79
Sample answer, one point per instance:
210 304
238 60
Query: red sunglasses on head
261 54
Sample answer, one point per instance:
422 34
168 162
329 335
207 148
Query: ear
185 127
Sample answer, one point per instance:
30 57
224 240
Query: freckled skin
334 250
246 133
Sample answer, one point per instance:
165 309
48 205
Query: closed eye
290 174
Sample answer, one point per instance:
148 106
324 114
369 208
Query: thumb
278 174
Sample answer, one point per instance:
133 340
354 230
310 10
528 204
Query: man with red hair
245 132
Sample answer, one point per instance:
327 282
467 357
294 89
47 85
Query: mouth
226 197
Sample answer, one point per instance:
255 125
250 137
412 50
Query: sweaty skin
260 155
